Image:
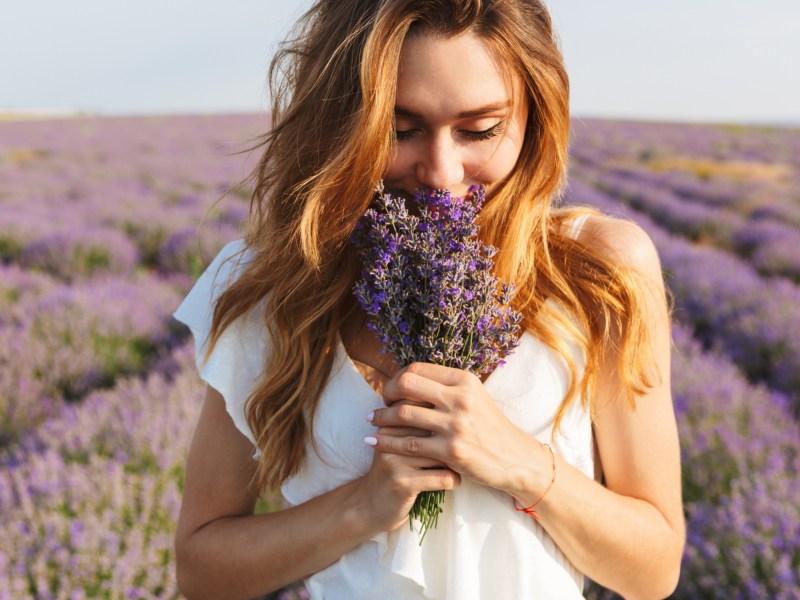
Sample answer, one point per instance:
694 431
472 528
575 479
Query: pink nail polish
371 441
370 416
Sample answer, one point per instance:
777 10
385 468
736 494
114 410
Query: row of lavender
744 201
753 320
754 174
136 435
749 170
124 214
58 342
770 246
84 198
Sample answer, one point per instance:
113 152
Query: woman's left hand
469 433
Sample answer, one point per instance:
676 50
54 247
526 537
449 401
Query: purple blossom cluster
191 249
692 220
427 284
771 247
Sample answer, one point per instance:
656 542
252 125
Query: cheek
399 164
498 164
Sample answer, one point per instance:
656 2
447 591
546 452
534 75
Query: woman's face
454 120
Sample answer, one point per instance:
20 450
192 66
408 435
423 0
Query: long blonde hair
333 88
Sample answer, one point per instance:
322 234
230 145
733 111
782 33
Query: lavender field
105 223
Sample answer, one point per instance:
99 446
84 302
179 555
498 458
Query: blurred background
123 137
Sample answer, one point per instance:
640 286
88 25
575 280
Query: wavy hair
333 88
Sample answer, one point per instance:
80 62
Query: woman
563 463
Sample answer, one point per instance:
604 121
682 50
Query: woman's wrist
531 509
360 510
371 512
534 476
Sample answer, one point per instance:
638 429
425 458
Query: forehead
442 75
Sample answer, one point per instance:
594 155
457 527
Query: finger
408 415
412 403
427 447
426 382
410 385
404 431
432 480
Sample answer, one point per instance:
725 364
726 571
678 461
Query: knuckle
458 426
411 445
384 460
398 485
414 368
449 480
460 402
455 450
406 382
403 486
384 447
405 413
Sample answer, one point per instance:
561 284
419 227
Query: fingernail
371 441
370 416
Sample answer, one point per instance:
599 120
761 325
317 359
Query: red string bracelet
530 509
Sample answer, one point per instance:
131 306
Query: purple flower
430 291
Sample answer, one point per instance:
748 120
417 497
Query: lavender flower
90 488
427 282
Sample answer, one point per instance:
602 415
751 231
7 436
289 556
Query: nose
441 166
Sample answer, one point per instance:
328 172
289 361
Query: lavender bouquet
427 283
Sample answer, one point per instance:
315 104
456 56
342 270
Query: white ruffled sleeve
237 361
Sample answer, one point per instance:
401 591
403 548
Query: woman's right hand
393 481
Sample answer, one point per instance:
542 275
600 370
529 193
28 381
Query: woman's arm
628 535
224 551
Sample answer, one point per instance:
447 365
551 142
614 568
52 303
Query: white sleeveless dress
482 548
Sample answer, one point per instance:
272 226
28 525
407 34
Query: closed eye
485 134
405 135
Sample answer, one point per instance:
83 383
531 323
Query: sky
684 60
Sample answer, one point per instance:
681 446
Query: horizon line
35 113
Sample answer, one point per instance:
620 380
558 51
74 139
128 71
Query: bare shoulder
623 241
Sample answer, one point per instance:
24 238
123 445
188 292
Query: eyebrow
467 114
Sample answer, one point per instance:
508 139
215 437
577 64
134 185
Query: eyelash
486 134
477 136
